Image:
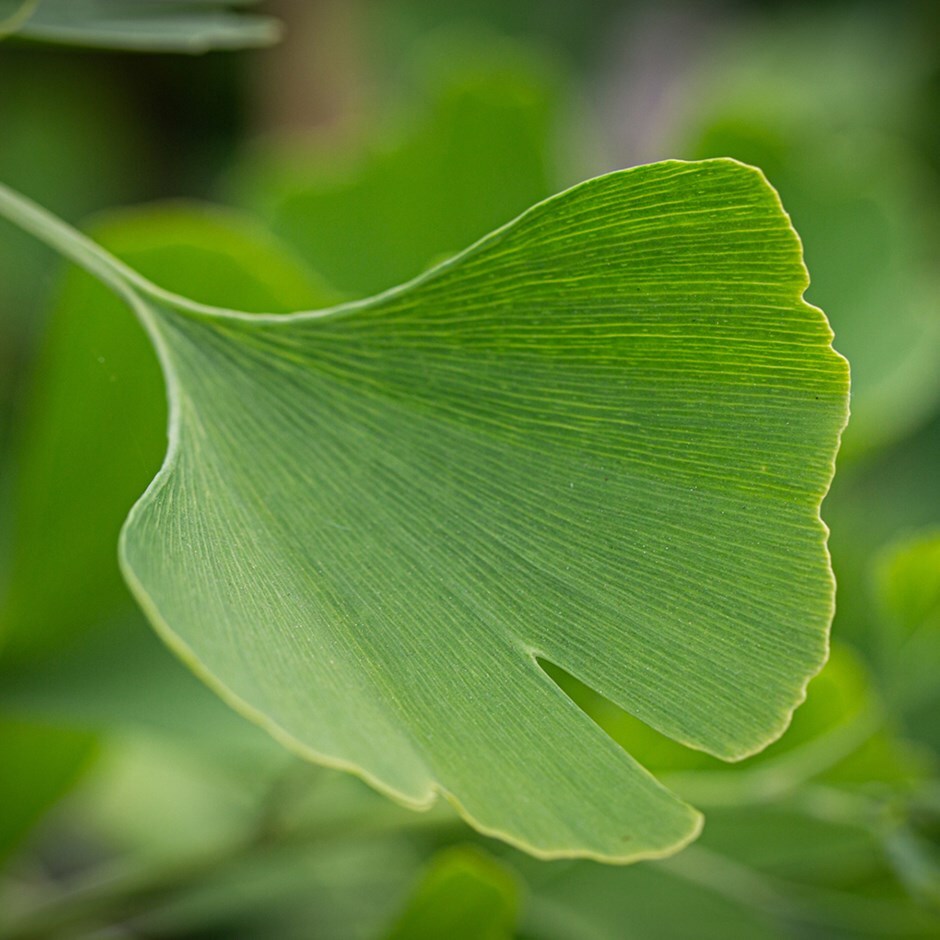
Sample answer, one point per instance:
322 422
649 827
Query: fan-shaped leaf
599 437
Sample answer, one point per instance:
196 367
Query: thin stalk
124 280
69 242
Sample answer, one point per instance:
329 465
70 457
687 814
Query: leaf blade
431 367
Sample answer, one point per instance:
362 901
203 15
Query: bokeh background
379 137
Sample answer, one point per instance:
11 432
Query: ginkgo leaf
599 437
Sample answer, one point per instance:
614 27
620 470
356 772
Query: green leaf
150 799
909 582
599 437
143 25
57 120
465 895
909 578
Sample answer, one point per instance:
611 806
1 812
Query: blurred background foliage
378 138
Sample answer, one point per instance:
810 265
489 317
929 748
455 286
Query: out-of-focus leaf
371 216
143 25
873 503
909 578
872 903
588 419
909 582
38 764
464 895
93 434
57 118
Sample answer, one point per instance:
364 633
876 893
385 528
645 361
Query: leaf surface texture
598 438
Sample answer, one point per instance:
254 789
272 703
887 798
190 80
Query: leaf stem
69 242
132 287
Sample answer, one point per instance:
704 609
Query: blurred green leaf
57 119
867 902
790 843
143 25
372 215
464 895
333 889
909 578
38 764
433 417
909 583
875 502
93 434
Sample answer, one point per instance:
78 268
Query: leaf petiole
69 242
